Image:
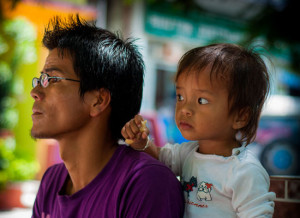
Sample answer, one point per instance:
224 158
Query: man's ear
101 101
241 118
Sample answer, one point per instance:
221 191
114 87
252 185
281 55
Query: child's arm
136 134
249 184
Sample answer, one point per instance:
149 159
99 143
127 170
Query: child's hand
136 132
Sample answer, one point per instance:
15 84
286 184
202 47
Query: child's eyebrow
206 92
198 90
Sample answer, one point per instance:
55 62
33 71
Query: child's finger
134 127
138 136
124 133
138 120
129 131
145 134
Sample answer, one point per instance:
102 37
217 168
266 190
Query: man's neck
85 160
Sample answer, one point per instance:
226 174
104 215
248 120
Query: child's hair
244 72
101 59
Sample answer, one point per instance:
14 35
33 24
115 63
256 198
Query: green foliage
17 48
12 167
17 39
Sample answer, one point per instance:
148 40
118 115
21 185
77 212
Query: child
221 89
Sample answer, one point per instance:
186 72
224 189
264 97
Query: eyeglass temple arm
57 77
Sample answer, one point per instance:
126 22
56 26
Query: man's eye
179 98
202 101
53 80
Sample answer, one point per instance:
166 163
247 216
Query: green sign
202 27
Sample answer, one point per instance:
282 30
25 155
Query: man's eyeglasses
44 80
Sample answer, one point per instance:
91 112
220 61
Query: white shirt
216 186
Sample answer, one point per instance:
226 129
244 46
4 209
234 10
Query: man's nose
36 93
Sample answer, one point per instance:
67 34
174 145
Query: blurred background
165 30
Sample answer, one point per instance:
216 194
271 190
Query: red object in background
272 128
10 197
154 128
53 156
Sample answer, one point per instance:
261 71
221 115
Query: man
90 86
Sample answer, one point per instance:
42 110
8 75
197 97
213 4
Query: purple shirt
132 184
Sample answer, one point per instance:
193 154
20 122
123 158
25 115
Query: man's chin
38 135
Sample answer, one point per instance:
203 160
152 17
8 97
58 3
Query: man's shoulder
140 158
145 181
140 163
55 171
143 169
56 168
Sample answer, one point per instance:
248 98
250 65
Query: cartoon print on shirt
204 190
188 186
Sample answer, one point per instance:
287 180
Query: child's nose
187 109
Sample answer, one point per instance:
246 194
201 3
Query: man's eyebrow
53 69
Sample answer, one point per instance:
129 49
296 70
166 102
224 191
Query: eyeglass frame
38 80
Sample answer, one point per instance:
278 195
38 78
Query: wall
287 189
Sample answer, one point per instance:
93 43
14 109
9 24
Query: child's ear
241 118
101 101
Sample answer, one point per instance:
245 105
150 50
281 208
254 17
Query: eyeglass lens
35 82
43 80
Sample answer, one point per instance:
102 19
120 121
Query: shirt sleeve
155 192
174 155
250 186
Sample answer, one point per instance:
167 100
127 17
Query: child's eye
179 98
202 101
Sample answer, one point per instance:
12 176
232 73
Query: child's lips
184 125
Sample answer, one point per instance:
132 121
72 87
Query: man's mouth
36 112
